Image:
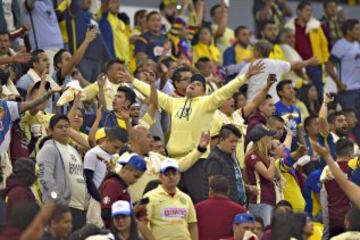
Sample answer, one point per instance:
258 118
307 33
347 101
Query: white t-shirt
6 123
8 15
95 160
74 170
258 82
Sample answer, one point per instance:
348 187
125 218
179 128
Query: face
114 72
61 131
313 128
331 9
305 14
313 94
43 64
288 92
206 68
228 106
145 140
113 146
240 229
243 37
170 178
258 229
85 4
228 144
241 101
114 6
195 89
205 36
170 10
120 101
4 44
355 32
154 23
135 111
341 126
78 119
270 32
289 38
278 128
277 149
184 81
351 119
65 59
158 147
267 107
218 15
284 209
122 223
63 227
130 175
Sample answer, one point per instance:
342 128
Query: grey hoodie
52 173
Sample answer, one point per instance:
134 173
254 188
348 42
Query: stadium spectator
59 225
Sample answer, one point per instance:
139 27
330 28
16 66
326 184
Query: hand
328 98
271 80
44 77
99 112
255 69
313 61
126 76
253 190
27 26
288 131
302 149
21 57
167 46
101 79
124 113
90 36
204 139
322 151
110 166
150 77
341 87
56 89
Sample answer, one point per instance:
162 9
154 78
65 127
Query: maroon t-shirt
215 216
303 44
267 189
338 202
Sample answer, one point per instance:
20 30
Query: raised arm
153 103
324 125
330 69
313 61
20 57
95 127
259 98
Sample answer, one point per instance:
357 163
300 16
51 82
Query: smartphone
143 201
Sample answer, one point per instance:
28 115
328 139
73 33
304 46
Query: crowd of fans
173 127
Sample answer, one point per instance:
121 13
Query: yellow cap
168 2
100 133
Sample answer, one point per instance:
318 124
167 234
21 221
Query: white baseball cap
120 208
168 163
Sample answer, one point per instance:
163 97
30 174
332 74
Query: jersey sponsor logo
174 213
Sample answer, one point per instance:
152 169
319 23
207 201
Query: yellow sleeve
165 101
324 46
215 125
192 213
148 120
189 160
91 92
217 98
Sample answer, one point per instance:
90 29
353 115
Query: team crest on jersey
182 200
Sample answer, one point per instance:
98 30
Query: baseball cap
169 2
120 207
259 131
198 78
244 218
100 133
168 163
136 161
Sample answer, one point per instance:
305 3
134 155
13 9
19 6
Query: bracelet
201 149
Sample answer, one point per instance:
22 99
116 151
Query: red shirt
338 202
303 44
267 189
215 216
111 190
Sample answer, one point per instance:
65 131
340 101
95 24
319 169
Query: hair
309 120
348 25
344 146
238 29
35 56
349 110
58 58
353 217
302 94
129 94
261 149
281 85
24 171
283 203
213 9
299 222
156 138
177 73
264 47
219 184
265 23
327 2
112 62
281 227
56 118
270 122
117 133
124 17
58 213
150 14
302 5
261 221
228 129
167 61
138 14
201 61
332 116
151 185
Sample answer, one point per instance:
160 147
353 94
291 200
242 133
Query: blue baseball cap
120 207
134 160
244 218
